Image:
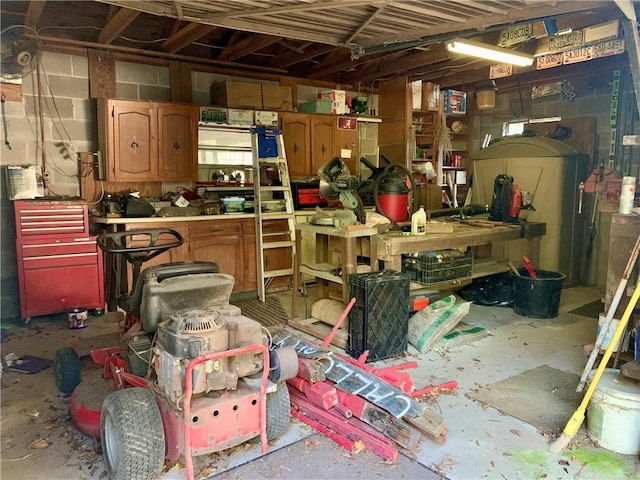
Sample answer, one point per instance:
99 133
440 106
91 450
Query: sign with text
500 70
578 55
517 34
549 61
606 49
569 41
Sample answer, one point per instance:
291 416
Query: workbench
392 245
326 272
388 248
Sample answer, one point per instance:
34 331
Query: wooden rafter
291 57
186 36
364 24
34 11
249 45
117 24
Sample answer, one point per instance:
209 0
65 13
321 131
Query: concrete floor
39 442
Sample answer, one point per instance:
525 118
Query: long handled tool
578 416
610 313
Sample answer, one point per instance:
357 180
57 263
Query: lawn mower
191 375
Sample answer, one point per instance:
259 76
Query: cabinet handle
176 145
134 144
295 148
323 149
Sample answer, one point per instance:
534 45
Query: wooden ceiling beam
34 11
247 46
186 36
117 24
292 57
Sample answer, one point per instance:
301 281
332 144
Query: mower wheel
278 411
66 365
133 443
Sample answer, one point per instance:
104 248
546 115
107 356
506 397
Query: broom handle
607 354
610 313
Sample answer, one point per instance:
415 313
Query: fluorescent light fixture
545 120
489 52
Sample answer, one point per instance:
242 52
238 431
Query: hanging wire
3 99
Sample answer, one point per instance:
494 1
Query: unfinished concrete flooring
38 440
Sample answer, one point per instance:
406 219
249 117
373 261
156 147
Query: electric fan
18 51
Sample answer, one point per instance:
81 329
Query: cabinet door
296 133
133 151
177 142
348 140
225 250
323 131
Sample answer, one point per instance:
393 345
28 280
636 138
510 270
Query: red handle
529 266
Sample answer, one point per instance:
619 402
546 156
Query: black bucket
537 297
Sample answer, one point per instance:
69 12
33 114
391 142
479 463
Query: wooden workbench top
395 243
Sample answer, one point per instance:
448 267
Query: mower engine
195 332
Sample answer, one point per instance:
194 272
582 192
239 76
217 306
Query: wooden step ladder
270 164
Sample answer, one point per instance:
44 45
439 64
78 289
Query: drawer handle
176 145
217 229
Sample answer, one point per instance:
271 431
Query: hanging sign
517 34
602 31
500 70
579 55
569 41
548 61
347 123
606 49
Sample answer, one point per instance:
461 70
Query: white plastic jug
419 222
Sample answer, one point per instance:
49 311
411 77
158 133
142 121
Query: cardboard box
240 117
315 107
276 97
337 99
266 119
236 94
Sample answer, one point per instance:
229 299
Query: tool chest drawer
53 219
59 264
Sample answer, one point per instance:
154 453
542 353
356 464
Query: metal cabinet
59 264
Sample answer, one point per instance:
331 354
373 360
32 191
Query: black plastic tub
537 297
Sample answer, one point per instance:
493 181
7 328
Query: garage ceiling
346 42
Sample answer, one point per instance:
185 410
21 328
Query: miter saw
337 183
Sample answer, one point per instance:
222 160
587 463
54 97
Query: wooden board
320 330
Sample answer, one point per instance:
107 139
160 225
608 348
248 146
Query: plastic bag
490 291
432 323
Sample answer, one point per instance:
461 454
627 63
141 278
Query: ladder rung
271 161
286 243
277 234
278 273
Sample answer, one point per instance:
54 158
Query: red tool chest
59 263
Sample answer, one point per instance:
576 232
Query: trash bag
491 291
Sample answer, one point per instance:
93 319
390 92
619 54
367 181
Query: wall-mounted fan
18 51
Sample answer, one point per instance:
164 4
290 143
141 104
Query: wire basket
439 266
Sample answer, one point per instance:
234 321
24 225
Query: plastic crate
438 266
379 319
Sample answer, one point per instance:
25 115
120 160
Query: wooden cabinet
323 134
297 143
220 242
312 140
148 141
177 142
